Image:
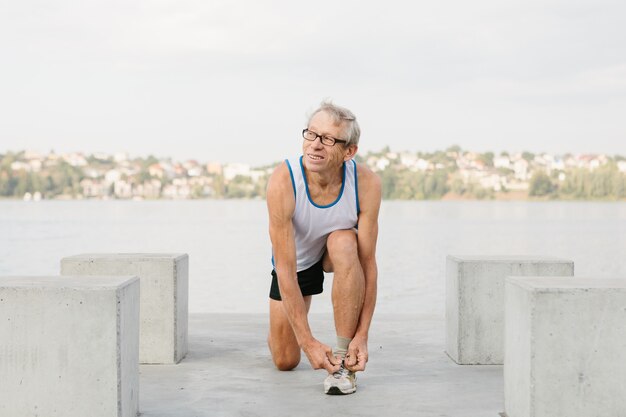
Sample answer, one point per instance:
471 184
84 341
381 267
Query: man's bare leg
348 292
281 340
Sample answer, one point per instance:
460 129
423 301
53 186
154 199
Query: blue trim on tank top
356 189
306 185
293 182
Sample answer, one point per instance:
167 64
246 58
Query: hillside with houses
453 173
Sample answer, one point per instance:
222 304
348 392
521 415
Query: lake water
229 249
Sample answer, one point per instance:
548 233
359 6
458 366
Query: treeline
53 181
239 187
603 183
401 183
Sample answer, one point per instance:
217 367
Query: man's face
318 157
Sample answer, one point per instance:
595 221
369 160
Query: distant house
30 155
178 190
591 162
149 189
233 170
21 166
112 175
75 159
179 170
382 163
123 189
214 168
557 163
92 173
52 159
156 170
120 157
520 167
502 161
494 182
93 189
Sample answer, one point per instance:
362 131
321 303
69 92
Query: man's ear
350 152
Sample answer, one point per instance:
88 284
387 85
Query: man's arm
281 206
369 201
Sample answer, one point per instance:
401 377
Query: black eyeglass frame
322 138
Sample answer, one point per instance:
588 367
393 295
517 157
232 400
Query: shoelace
341 372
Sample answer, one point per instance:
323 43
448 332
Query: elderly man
323 217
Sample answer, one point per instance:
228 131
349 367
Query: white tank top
313 223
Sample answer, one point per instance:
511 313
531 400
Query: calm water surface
229 248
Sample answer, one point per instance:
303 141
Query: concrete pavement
228 372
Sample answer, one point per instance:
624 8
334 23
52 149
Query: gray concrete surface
228 372
565 343
164 297
69 346
475 302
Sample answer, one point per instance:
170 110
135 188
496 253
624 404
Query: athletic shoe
341 382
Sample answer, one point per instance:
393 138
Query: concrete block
164 297
475 302
69 347
565 340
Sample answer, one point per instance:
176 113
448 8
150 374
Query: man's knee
286 364
342 245
285 359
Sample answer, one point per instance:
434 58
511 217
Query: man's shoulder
286 167
280 196
279 183
368 179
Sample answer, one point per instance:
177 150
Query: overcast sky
233 81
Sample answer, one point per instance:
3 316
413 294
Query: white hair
341 115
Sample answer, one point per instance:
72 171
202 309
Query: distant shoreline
514 196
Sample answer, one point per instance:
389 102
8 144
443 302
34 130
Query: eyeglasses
326 140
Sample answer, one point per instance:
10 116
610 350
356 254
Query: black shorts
311 281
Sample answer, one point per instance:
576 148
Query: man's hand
321 356
357 357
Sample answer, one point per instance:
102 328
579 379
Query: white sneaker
341 382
